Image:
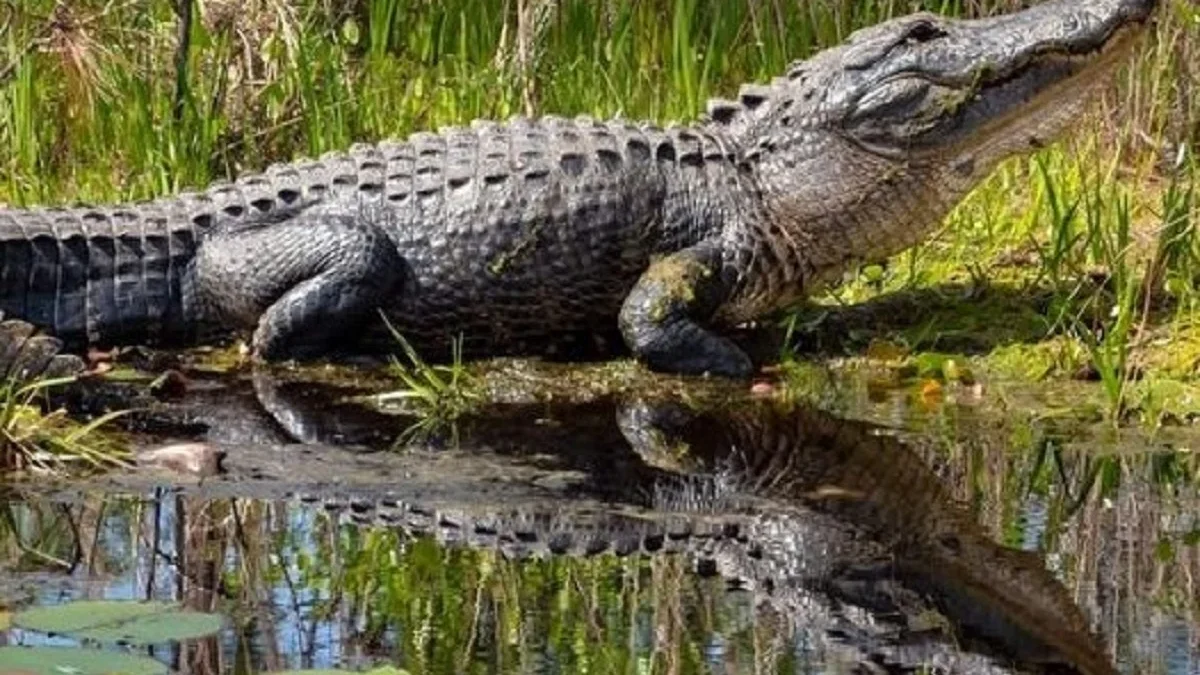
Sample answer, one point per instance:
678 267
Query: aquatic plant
33 438
437 395
103 622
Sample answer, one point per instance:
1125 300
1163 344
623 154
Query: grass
1080 262
436 395
32 439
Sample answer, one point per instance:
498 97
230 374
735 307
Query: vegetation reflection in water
306 585
306 591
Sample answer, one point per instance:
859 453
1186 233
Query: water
581 538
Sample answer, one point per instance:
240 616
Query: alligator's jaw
863 149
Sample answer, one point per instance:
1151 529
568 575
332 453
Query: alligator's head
866 146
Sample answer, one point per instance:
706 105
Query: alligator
515 235
835 525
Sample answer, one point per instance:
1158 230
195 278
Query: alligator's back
508 233
520 231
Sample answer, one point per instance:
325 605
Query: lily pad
383 670
59 660
142 623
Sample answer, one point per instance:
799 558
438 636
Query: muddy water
633 535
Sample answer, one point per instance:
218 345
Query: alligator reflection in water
851 554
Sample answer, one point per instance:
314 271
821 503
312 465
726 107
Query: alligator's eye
897 99
902 113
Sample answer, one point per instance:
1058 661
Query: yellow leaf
931 392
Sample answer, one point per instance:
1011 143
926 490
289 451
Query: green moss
1056 357
523 246
1156 401
1173 351
677 277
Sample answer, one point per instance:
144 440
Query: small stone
171 384
763 389
95 356
192 459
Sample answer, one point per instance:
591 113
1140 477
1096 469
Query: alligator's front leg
663 317
305 282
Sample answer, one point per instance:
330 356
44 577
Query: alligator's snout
912 113
1087 24
970 92
1138 10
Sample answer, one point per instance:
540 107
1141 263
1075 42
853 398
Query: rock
192 459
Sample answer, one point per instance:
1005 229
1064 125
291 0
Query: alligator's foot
661 317
308 282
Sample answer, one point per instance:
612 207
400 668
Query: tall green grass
87 91
88 87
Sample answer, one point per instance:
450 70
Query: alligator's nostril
1139 9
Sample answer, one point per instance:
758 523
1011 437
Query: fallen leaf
931 392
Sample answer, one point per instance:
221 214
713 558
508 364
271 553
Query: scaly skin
842 517
518 234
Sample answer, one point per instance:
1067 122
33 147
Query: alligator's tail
97 275
119 274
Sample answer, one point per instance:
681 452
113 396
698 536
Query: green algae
675 278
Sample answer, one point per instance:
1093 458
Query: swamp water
630 536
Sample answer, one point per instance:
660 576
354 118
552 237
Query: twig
155 539
183 48
42 36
